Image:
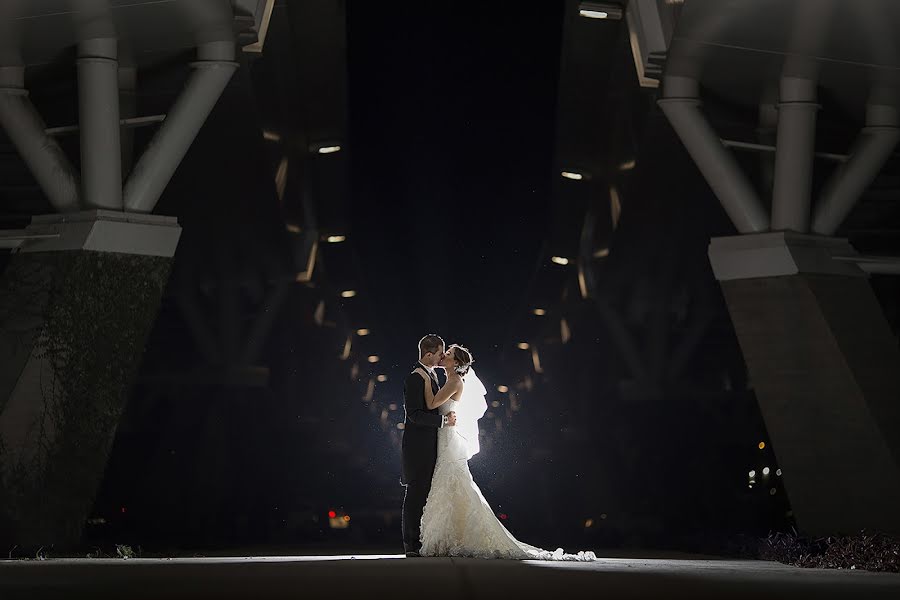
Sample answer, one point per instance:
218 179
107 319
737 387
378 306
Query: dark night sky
452 111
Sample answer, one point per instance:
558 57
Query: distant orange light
331 514
762 445
347 518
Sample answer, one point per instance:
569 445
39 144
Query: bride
457 520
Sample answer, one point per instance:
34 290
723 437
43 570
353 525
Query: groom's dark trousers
419 454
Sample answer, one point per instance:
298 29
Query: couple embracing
444 512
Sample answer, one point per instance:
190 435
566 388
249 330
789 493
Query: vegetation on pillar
90 313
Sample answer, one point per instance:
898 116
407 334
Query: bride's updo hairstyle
463 358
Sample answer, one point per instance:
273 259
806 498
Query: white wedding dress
457 520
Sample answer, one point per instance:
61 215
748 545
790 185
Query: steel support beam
681 105
98 114
155 168
795 148
872 149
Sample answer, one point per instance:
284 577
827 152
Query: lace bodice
446 407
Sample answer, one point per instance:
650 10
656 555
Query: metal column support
127 110
155 168
872 149
681 106
98 115
24 126
794 153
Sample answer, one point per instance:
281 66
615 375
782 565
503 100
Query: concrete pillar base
75 312
825 368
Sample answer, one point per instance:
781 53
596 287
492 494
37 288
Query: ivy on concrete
88 316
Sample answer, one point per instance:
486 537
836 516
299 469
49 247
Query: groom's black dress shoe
413 555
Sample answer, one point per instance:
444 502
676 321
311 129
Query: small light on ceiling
348 293
392 406
362 332
601 253
502 389
600 10
523 346
778 472
401 426
292 228
560 260
329 149
765 470
628 165
588 523
336 239
271 136
495 404
572 175
381 378
374 358
752 474
539 312
762 446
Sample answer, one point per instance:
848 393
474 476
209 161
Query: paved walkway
395 577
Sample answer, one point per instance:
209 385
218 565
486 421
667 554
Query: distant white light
772 492
752 474
293 228
401 426
336 239
778 472
600 10
362 332
523 345
601 253
765 470
502 389
348 293
374 358
381 378
572 175
539 312
329 149
495 403
560 260
271 136
392 406
628 165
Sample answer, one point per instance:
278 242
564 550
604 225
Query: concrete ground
396 577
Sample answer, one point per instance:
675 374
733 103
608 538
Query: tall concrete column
825 368
77 302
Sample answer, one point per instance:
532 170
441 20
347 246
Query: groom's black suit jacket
419 449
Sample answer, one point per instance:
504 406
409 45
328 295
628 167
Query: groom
419 449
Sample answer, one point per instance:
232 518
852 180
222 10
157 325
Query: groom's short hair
430 343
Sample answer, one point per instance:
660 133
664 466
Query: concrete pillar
825 368
79 300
